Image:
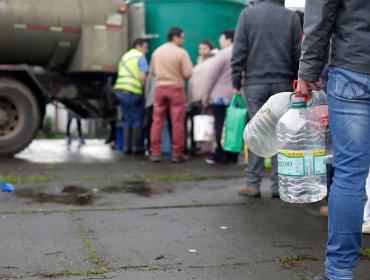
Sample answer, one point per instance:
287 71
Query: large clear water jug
260 132
301 156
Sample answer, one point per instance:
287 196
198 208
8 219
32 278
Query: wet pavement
93 213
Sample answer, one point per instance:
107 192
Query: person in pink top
218 91
171 66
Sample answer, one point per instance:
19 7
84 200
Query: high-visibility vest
128 78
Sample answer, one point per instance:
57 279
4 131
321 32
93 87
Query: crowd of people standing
262 58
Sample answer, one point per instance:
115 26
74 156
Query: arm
213 74
143 68
186 66
320 17
240 52
297 42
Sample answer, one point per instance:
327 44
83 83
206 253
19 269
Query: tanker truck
60 50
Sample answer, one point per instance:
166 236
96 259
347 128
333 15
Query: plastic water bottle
260 132
301 156
322 111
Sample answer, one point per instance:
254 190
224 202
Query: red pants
170 98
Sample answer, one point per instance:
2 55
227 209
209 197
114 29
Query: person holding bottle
268 61
345 27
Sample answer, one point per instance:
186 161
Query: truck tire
19 117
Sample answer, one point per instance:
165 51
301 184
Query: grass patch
32 179
295 261
365 253
89 248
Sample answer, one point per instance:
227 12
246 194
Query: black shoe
179 159
109 140
321 278
275 195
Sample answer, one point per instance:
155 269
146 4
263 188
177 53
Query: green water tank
200 19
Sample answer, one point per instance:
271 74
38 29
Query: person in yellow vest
129 87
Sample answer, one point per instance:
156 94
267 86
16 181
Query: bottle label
301 163
291 163
319 162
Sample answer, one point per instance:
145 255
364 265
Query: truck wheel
19 117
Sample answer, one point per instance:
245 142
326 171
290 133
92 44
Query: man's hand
205 101
237 91
304 87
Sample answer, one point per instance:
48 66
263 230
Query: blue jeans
349 117
132 108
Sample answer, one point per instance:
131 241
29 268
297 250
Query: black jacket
347 24
267 44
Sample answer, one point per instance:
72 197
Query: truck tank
82 35
59 50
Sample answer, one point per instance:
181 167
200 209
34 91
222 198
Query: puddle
80 196
140 188
71 195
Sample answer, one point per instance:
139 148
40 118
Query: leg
127 136
219 113
79 130
177 112
159 115
112 132
256 96
195 110
349 117
69 121
149 120
277 88
81 139
137 121
128 103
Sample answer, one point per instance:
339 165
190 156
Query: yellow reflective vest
128 78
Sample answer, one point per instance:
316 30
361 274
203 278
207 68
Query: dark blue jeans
132 108
221 156
349 117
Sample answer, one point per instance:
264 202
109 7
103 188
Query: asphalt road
93 213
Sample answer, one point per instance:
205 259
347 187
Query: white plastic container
260 132
301 156
204 128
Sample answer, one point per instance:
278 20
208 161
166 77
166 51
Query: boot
127 140
136 146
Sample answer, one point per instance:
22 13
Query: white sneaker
366 227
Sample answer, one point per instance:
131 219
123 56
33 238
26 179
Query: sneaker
69 141
81 141
324 211
248 191
366 227
321 278
155 158
180 159
210 160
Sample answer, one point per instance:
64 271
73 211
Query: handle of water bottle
295 84
307 98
